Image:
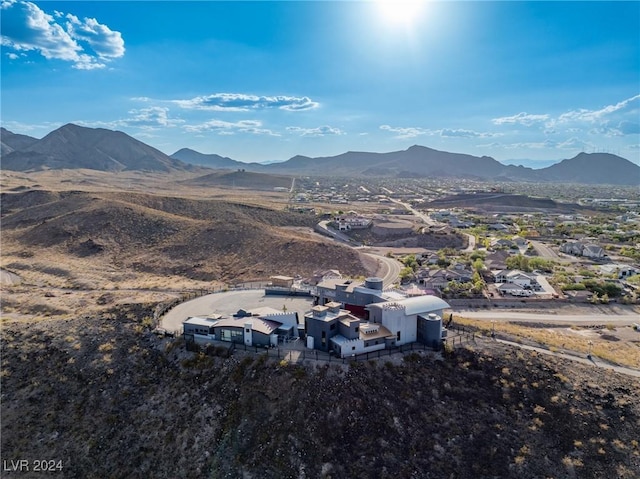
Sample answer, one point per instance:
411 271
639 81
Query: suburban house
520 278
497 260
503 243
593 251
499 227
354 295
520 241
351 222
580 249
390 324
440 278
622 271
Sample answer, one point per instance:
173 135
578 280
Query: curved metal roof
418 304
423 304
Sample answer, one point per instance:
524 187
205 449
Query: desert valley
96 246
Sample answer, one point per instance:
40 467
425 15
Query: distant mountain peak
74 146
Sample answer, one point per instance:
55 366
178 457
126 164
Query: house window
398 335
324 338
248 330
357 328
353 348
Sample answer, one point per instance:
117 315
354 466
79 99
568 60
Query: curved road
392 266
431 222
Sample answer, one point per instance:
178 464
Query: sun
399 12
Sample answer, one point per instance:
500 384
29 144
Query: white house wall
395 320
356 346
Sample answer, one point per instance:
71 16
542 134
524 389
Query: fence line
164 308
296 355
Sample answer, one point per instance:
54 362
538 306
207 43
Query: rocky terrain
109 399
202 240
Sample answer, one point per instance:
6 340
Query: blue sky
264 81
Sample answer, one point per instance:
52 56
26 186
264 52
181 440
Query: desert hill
241 179
11 141
503 202
187 155
73 146
202 240
120 400
593 168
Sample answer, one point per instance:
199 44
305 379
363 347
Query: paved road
472 243
324 226
547 253
431 222
393 267
229 303
500 315
423 216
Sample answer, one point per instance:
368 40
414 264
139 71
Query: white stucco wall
395 320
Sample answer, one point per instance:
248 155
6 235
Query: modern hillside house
354 295
259 327
387 320
391 323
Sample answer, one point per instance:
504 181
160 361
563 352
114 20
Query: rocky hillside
212 160
203 240
73 146
241 179
10 141
109 399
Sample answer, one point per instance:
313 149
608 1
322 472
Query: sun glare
399 12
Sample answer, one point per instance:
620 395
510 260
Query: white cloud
535 145
229 128
243 102
521 118
154 116
145 118
103 41
619 119
87 43
460 133
319 131
13 56
406 132
413 131
574 144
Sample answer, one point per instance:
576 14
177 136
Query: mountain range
73 146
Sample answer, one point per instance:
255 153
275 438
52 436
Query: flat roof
206 322
333 282
347 320
382 332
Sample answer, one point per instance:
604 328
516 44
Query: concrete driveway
229 303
